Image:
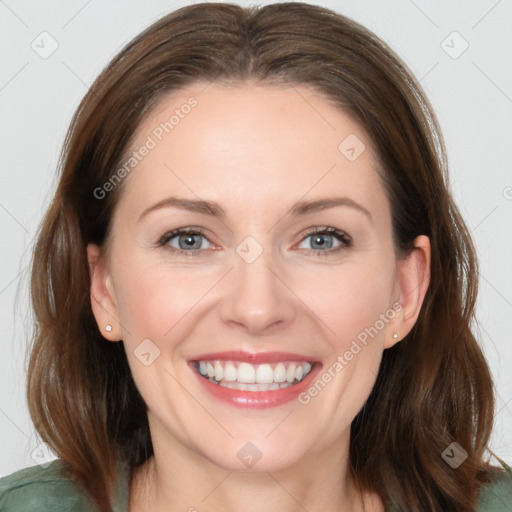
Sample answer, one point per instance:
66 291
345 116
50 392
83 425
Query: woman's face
252 293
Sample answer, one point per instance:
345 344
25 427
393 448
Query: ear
413 278
103 300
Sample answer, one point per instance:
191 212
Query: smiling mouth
253 377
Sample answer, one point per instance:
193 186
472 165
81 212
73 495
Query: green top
36 489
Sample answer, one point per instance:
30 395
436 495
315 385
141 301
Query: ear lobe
413 275
102 297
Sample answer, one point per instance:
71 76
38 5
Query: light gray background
471 94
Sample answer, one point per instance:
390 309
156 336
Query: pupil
189 240
320 240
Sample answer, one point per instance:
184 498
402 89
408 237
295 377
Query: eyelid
344 238
169 235
164 240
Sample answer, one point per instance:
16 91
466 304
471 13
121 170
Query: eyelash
342 237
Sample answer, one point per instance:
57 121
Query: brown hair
433 388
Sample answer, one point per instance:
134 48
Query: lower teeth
253 387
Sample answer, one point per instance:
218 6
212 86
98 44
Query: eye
184 241
323 240
190 241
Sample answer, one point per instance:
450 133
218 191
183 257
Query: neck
179 479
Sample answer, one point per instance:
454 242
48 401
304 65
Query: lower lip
258 399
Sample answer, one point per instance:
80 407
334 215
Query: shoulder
496 496
36 488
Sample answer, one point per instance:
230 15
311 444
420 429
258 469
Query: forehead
251 145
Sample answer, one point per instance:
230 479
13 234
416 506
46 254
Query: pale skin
255 150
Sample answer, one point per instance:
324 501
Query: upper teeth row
230 371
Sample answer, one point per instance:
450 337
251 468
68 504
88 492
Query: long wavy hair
433 388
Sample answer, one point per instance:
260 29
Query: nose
257 300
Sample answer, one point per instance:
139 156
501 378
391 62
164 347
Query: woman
253 289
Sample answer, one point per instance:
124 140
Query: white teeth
264 374
248 377
290 374
280 372
254 387
230 373
219 371
246 373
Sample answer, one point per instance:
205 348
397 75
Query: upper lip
253 357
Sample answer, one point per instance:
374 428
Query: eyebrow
214 209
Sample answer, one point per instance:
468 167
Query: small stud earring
395 335
108 328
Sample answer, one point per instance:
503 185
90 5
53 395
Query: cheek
349 302
152 301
